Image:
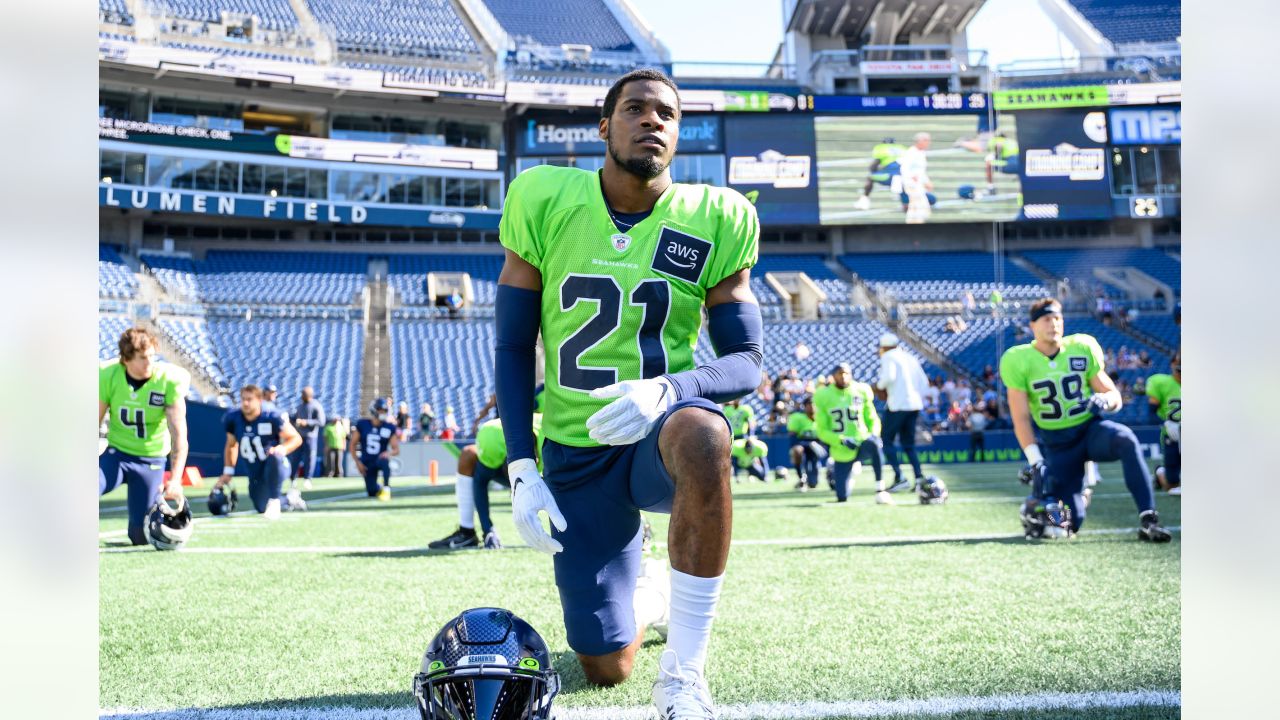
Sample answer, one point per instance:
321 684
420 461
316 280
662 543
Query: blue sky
750 30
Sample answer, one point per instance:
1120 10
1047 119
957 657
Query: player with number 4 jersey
144 403
263 439
614 268
1058 390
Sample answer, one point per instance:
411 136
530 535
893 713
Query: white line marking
867 540
810 710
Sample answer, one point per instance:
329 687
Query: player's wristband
1033 454
228 470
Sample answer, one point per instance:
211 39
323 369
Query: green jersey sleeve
737 245
1013 372
1097 361
177 383
519 228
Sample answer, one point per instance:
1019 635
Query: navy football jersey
256 437
374 440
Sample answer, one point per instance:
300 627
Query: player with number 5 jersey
1058 390
615 267
263 439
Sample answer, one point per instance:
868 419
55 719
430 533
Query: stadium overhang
910 18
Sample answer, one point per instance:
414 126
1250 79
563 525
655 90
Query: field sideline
828 611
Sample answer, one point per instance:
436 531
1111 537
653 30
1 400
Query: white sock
466 502
693 607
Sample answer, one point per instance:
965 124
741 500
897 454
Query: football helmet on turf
222 502
1047 519
486 664
932 491
169 528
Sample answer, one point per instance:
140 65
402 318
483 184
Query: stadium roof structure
851 18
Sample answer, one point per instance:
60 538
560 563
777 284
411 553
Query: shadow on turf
391 701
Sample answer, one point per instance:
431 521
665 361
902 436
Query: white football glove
529 497
1173 429
630 418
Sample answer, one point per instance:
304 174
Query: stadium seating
243 52
115 12
576 22
281 277
325 354
115 279
1078 265
445 363
110 328
408 28
1131 21
1161 327
408 275
941 276
175 273
272 14
191 336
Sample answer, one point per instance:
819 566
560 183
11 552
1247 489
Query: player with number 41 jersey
1059 385
263 439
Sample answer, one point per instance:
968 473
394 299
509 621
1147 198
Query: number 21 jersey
1056 387
619 306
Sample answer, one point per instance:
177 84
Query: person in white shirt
902 384
916 193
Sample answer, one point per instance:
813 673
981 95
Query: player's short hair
1038 306
251 389
611 97
134 342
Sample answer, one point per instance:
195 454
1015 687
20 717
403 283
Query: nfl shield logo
620 242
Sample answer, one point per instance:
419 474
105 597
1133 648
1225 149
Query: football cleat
222 502
863 203
306 484
491 540
901 484
1150 529
884 498
486 663
293 502
460 538
384 494
273 509
932 491
680 694
169 528
1086 496
1175 490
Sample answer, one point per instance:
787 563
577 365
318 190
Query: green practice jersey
1003 149
491 443
619 306
1057 389
335 438
886 153
136 418
743 457
1168 392
801 425
740 419
847 413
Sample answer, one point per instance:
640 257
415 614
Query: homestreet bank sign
567 135
185 201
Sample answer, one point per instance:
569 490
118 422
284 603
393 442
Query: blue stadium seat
191 336
575 22
227 276
273 14
110 328
115 12
446 363
1078 265
1132 21
941 276
408 275
175 273
115 278
409 28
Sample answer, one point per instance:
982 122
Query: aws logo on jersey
1078 363
680 255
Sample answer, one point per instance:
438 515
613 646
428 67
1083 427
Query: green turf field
861 610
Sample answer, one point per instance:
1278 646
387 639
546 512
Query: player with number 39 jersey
1059 384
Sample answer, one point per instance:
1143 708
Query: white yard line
810 710
866 540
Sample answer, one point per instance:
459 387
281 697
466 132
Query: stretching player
1058 383
264 439
847 422
614 268
884 170
807 453
148 407
478 464
1164 398
741 417
917 189
373 442
753 456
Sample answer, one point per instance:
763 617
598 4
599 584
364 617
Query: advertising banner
579 134
321 211
1052 97
771 161
1146 126
1064 165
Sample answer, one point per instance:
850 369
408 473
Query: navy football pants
480 491
373 466
144 477
1066 452
900 426
265 479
